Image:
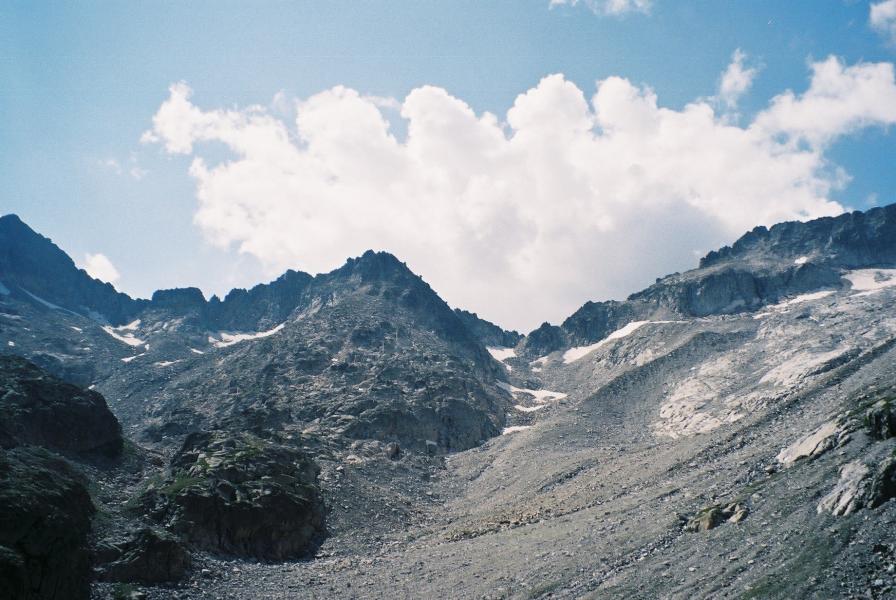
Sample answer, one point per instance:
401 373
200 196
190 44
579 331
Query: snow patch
124 333
78 329
870 281
165 363
11 344
540 396
528 409
574 354
801 260
229 339
195 351
128 359
42 301
514 429
501 354
804 298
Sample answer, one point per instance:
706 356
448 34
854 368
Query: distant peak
375 265
12 222
179 297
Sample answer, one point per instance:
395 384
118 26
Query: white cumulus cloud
736 79
609 7
100 267
840 99
521 217
882 18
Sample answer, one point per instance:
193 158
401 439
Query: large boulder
45 513
40 410
150 556
880 419
242 495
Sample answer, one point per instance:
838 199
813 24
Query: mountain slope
727 432
762 267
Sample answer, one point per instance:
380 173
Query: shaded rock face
882 486
370 352
45 513
762 267
242 495
32 262
38 409
544 340
880 419
263 305
488 333
850 240
452 425
149 557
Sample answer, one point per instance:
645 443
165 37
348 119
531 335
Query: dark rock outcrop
712 517
38 409
545 339
880 419
851 240
241 495
31 263
882 486
45 513
488 333
150 556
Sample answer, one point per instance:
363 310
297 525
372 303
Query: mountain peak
375 266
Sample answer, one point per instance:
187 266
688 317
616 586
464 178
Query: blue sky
82 82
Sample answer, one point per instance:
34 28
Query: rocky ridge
726 432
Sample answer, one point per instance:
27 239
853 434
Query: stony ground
593 499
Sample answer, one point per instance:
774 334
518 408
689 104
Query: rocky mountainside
726 432
762 267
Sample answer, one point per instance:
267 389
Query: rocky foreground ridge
727 432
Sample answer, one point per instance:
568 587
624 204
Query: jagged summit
762 267
31 264
851 240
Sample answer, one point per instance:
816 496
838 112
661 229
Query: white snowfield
870 281
804 298
574 354
125 333
229 339
515 429
541 396
501 354
801 260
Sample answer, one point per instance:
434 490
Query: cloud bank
524 217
